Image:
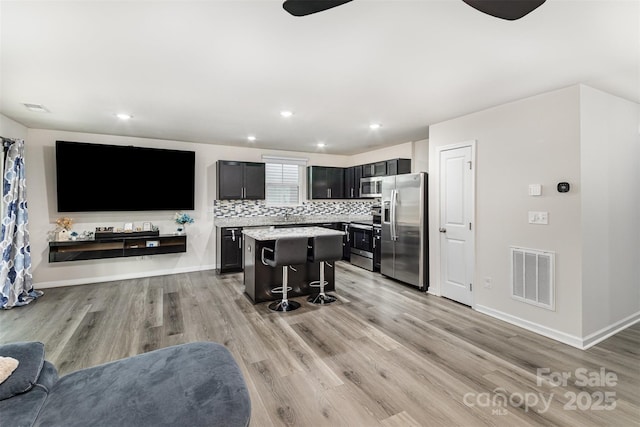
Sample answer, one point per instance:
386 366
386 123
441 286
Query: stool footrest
316 283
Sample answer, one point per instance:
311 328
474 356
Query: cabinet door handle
233 235
239 242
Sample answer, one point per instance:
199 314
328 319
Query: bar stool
287 251
324 249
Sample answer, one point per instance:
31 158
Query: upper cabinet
398 166
374 169
324 182
240 180
352 177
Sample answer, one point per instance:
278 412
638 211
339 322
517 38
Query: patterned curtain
16 281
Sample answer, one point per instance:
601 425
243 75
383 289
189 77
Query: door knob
443 230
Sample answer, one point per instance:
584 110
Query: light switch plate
538 217
535 189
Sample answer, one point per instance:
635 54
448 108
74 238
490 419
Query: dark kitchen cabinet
377 251
229 250
398 166
352 177
374 169
325 182
240 180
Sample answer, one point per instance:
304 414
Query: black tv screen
100 177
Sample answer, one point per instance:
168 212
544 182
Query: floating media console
116 247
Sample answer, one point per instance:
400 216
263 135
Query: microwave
371 187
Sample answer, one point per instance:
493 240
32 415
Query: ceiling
217 71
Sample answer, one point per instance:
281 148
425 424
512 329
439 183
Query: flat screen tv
100 177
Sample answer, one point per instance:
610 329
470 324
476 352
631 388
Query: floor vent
532 274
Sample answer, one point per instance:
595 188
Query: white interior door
456 228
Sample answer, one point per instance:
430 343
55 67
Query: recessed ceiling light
36 108
375 126
286 113
321 144
124 116
251 138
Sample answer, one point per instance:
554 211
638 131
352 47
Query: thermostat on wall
563 187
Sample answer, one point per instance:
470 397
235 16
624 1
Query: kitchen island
259 279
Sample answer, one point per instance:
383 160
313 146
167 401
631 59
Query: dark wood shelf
115 247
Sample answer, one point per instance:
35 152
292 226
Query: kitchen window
284 180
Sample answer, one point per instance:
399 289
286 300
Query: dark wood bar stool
287 251
323 250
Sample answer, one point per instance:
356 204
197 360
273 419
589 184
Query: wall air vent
532 276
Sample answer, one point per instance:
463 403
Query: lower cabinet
229 250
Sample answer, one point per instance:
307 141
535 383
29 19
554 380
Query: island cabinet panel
259 279
240 180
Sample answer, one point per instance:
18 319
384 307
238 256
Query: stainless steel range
361 237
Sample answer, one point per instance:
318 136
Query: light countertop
285 220
270 233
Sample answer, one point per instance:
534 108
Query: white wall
610 158
40 158
400 151
531 141
420 156
12 129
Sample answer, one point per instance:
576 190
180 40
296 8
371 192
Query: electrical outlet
538 217
487 282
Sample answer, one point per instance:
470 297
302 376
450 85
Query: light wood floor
383 355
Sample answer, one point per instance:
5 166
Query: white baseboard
582 343
604 333
563 337
101 279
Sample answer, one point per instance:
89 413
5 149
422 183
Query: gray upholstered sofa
195 384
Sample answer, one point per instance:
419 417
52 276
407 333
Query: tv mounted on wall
99 177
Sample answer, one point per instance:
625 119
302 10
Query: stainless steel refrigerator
405 244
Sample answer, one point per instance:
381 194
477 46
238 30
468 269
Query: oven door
361 237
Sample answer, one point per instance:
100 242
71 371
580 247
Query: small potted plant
182 219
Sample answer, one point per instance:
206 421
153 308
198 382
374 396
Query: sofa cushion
30 356
23 409
196 384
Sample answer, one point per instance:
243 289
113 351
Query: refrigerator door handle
393 214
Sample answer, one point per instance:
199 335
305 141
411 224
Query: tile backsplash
257 208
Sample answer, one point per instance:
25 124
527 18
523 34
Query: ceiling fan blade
505 9
307 7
